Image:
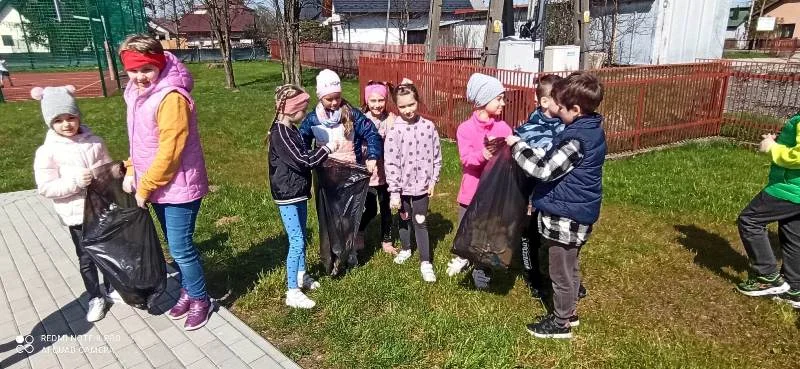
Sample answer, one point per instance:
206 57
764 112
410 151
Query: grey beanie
482 89
56 101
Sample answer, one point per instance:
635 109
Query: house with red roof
194 29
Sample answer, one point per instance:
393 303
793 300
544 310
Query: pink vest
191 180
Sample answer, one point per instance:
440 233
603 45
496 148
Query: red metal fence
343 57
643 106
760 96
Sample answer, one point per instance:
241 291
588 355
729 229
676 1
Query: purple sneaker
181 307
199 313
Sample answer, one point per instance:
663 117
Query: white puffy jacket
57 166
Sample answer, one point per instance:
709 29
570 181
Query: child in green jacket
778 202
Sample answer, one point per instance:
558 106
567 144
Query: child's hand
487 154
141 202
394 203
127 184
84 178
332 146
371 165
512 140
431 189
767 142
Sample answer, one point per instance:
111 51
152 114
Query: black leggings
417 209
87 267
378 196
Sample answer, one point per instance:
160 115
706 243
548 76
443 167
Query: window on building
8 40
786 30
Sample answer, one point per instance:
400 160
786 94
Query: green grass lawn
660 266
746 54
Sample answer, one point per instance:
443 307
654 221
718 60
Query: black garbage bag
122 240
341 193
490 233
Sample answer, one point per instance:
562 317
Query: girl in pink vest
477 138
63 171
167 165
375 95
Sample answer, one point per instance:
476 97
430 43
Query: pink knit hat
328 82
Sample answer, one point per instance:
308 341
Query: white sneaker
456 265
113 296
305 281
402 256
297 299
97 309
426 268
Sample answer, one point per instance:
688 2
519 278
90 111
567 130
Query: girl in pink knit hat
334 119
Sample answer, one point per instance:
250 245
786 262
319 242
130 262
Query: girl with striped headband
290 165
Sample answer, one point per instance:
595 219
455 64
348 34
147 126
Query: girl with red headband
290 165
375 94
166 167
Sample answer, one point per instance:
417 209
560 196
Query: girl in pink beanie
334 119
375 95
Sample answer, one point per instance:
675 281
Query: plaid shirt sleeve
549 166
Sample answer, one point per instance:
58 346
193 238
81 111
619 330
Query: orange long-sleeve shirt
173 130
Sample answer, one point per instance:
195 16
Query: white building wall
370 28
690 29
10 25
635 28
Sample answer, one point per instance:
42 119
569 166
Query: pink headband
295 104
377 89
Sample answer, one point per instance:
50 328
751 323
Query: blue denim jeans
294 218
177 222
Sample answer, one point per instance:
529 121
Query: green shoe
763 285
792 297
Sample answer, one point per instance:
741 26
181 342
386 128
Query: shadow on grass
231 277
715 252
438 228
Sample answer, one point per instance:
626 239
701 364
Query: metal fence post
639 118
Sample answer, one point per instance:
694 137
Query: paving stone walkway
43 304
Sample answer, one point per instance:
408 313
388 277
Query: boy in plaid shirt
568 193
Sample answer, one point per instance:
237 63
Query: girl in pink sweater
476 137
413 161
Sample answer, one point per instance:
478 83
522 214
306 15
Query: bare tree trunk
219 15
292 72
225 45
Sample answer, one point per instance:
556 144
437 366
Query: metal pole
494 27
432 39
542 30
27 44
585 20
96 53
388 11
750 20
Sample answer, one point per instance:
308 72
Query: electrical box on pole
494 31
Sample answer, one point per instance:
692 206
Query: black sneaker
548 328
763 285
582 292
792 297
